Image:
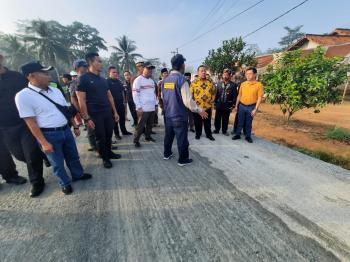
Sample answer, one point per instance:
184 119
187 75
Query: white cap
73 73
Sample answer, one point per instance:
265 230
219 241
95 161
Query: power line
224 22
273 20
228 10
263 26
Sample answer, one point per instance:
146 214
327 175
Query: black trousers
132 109
222 117
104 124
7 165
92 138
190 119
25 148
121 112
199 122
144 125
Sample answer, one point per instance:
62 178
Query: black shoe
127 134
198 137
91 149
185 162
236 137
211 138
114 142
192 130
16 180
216 132
46 162
225 134
107 163
37 189
114 147
114 156
85 176
150 139
67 190
153 133
249 139
137 144
118 137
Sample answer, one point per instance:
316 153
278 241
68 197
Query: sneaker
211 138
168 157
137 144
236 137
85 176
185 162
107 163
249 139
150 139
67 190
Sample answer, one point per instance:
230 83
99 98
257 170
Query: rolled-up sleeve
187 99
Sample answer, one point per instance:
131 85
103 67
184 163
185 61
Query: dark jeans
65 150
21 143
178 129
7 165
245 119
145 120
222 117
104 124
198 123
190 119
121 112
235 124
132 109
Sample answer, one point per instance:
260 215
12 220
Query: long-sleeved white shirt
143 93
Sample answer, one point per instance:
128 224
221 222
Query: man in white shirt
49 125
143 92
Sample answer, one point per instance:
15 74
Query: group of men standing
37 121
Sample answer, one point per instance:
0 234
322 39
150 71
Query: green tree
229 55
124 53
15 51
295 82
293 34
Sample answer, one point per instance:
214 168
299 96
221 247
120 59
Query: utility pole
175 52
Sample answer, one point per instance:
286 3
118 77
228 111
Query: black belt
61 128
247 105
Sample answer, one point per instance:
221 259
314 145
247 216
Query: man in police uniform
177 98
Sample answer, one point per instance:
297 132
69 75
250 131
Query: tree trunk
345 89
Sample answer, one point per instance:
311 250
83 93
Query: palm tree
15 51
47 39
124 53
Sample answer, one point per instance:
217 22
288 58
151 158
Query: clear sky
159 26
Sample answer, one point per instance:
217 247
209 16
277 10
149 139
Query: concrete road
236 202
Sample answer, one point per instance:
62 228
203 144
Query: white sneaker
167 158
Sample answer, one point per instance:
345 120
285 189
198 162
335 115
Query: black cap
66 76
164 70
33 67
187 74
149 65
177 60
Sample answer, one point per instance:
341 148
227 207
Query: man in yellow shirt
203 92
249 99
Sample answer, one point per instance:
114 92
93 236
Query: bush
339 134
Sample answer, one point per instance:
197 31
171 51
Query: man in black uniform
117 89
96 104
15 135
226 95
129 99
190 114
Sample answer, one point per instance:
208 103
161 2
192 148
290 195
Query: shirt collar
38 89
175 72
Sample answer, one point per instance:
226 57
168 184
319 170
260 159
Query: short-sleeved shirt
31 104
250 92
11 83
96 89
117 89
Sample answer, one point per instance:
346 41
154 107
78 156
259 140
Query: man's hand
116 117
254 112
90 124
76 132
203 114
47 148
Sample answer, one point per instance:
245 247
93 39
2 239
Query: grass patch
339 134
328 157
